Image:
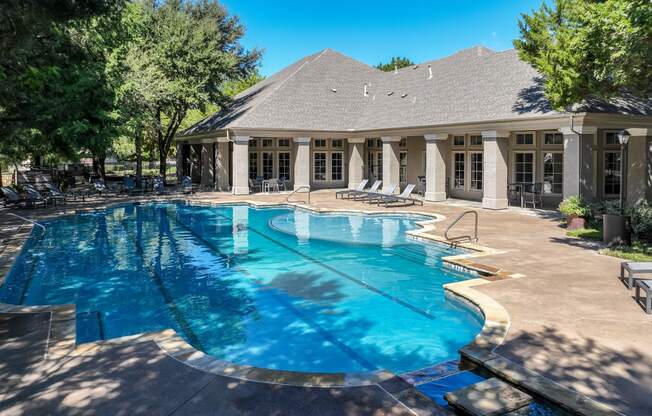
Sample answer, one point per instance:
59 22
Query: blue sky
374 31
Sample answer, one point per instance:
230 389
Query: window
268 142
524 167
320 142
268 165
371 143
475 140
253 142
253 165
611 138
379 143
284 165
476 171
403 142
375 165
458 170
402 173
458 140
525 138
319 166
283 142
553 138
336 166
553 168
611 173
337 143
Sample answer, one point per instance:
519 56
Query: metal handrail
304 187
38 224
462 237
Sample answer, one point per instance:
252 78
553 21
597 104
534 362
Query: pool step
89 326
488 398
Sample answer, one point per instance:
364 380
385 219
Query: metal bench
634 271
646 286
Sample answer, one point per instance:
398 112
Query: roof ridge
286 79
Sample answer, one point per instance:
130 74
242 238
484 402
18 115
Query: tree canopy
589 48
396 62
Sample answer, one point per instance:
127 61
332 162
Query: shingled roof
324 92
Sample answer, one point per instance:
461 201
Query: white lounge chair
389 191
362 194
403 197
359 188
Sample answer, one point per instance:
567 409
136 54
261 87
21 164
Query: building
471 124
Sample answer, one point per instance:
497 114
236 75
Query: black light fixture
623 137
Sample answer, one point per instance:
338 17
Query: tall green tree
193 48
587 48
397 62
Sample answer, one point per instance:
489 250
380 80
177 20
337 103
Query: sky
372 31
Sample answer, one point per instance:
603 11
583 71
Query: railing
38 224
296 191
463 237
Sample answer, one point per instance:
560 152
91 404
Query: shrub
641 220
575 206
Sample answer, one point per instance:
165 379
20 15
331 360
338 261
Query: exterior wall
416 148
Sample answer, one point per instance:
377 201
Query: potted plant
576 211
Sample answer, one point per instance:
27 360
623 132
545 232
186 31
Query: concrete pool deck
571 320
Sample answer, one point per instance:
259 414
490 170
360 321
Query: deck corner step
488 398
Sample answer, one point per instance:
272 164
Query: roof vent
404 95
334 89
390 92
415 66
365 93
429 72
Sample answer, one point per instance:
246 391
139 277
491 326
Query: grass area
586 233
636 252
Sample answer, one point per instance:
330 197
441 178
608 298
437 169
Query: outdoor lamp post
623 138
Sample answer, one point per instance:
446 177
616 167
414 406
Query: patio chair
11 196
100 187
403 197
34 197
532 195
55 193
282 184
355 194
186 185
158 185
254 186
359 188
374 196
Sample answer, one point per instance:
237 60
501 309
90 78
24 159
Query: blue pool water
275 288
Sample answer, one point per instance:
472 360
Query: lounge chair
374 196
362 194
56 194
158 185
186 185
129 183
34 197
11 196
635 271
403 197
359 188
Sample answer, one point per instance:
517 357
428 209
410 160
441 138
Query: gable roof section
324 92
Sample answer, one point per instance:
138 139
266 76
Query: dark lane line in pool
178 316
342 274
326 334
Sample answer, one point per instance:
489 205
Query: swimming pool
277 288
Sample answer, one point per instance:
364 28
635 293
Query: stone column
240 165
356 161
301 162
436 151
207 164
222 164
578 161
494 168
391 163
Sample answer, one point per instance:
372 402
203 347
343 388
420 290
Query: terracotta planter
575 223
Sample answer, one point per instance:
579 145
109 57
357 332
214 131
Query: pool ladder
296 191
463 238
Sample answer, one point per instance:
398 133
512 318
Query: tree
191 49
589 48
396 62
